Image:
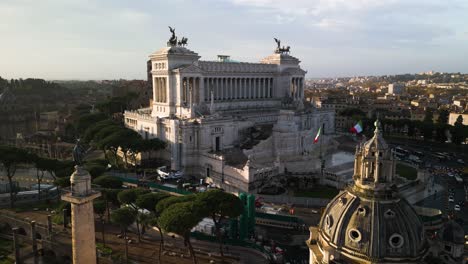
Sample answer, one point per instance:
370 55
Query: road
440 200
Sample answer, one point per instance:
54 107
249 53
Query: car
450 199
163 172
460 161
457 208
176 175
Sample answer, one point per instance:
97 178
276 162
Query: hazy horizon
108 40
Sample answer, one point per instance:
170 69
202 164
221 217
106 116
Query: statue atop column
279 49
78 153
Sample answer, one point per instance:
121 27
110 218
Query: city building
396 88
235 123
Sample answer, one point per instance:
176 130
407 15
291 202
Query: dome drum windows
362 210
389 214
343 200
396 241
355 235
328 221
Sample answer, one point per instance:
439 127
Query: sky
112 39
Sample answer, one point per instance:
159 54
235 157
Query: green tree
220 205
111 186
129 198
459 132
96 167
149 201
166 203
124 217
10 158
427 128
108 182
443 116
86 121
94 129
440 132
154 144
429 115
180 218
100 209
43 165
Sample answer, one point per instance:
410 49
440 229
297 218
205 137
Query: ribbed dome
372 229
369 221
452 232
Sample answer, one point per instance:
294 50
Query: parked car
176 175
457 208
163 172
450 199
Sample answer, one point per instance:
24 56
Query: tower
82 216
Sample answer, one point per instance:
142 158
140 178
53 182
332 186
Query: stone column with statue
81 197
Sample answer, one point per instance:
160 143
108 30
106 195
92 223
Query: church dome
369 222
372 229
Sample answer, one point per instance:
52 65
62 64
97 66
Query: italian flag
318 135
357 128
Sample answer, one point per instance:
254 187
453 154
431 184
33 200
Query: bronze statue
78 153
173 40
182 42
278 43
279 49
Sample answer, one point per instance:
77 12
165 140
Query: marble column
263 88
156 89
272 86
230 89
236 87
159 90
221 97
244 88
164 90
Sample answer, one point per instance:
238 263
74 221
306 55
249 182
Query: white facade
209 113
396 88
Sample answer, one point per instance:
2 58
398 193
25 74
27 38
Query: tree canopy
109 182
